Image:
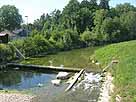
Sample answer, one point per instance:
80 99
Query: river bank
124 71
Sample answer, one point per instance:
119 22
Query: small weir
34 67
38 80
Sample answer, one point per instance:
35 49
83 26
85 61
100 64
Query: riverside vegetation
79 25
7 53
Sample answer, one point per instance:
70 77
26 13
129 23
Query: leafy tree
69 14
67 39
104 4
86 37
112 29
7 53
85 19
80 25
124 8
128 21
100 15
9 17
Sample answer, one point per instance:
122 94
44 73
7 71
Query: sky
35 8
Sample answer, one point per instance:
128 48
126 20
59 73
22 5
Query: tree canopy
82 24
9 18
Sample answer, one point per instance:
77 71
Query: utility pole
26 26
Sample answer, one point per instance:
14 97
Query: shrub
6 53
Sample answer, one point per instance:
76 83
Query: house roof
3 34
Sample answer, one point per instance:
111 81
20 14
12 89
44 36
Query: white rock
93 61
40 85
56 82
97 63
62 75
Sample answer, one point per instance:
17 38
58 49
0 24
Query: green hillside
125 71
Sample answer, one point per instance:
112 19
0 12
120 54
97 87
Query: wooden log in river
75 80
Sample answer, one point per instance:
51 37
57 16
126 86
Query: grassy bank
125 71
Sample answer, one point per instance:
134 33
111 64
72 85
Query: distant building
6 36
20 32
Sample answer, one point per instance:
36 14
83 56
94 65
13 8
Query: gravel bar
5 97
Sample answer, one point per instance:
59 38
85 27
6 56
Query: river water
22 79
39 82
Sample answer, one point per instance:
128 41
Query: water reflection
20 79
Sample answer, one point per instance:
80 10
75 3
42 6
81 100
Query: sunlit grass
125 71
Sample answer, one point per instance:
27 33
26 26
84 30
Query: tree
113 30
124 8
104 4
85 19
100 16
86 37
9 17
85 15
128 21
70 14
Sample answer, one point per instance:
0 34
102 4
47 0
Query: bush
6 53
35 45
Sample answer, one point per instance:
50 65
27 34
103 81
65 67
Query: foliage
104 4
124 8
87 37
9 18
35 45
128 21
124 71
6 53
80 24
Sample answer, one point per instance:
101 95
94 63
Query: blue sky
34 8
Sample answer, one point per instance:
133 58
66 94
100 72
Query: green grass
125 71
78 58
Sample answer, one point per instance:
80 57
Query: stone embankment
107 88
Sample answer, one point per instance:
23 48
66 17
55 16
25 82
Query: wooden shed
4 38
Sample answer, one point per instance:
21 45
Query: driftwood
75 80
110 65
